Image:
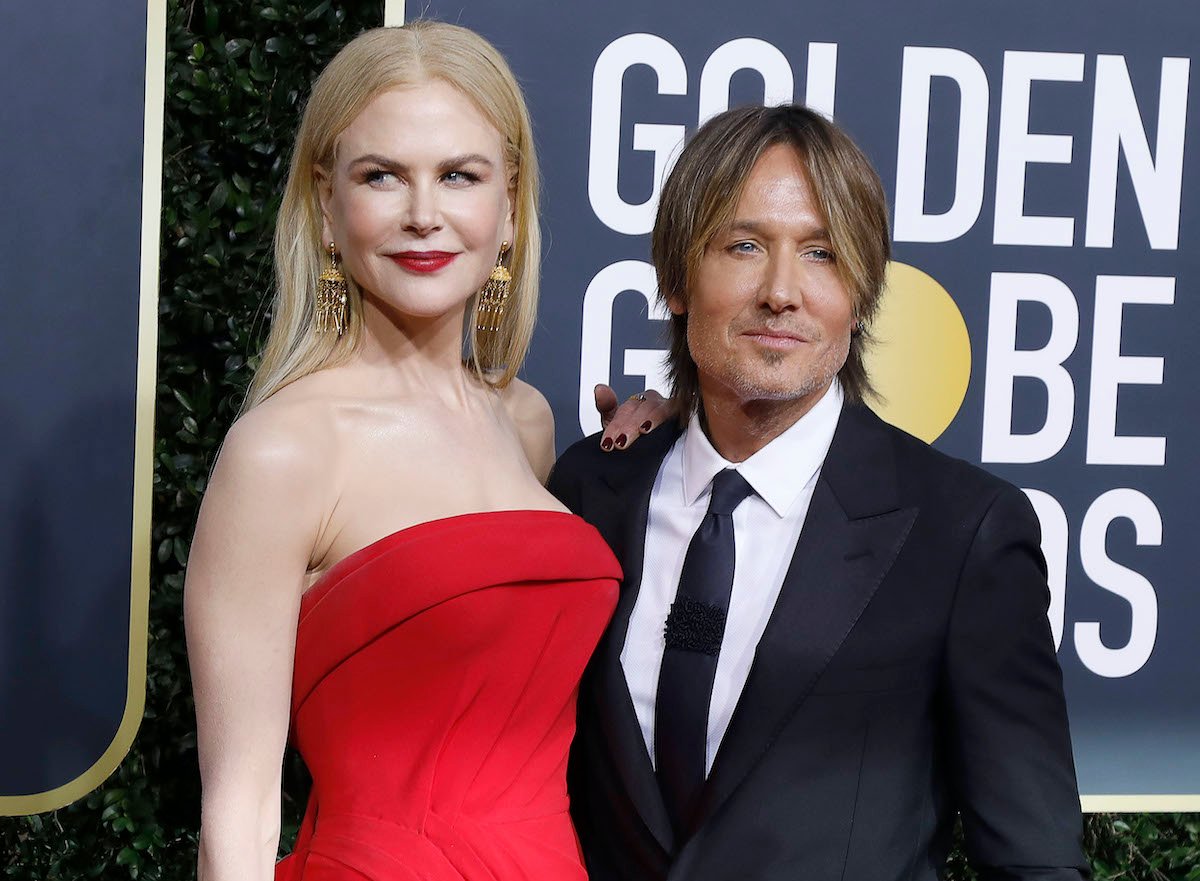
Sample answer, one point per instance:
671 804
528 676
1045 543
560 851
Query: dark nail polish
621 441
647 425
606 444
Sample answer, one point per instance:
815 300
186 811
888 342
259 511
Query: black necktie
694 629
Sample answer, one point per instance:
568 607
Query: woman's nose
422 215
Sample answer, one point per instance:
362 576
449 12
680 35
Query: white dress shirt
766 527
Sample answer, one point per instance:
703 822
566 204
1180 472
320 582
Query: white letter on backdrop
820 79
634 218
1131 586
1116 127
1005 362
1053 519
1111 369
921 65
1018 148
746 53
596 341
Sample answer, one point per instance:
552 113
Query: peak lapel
630 479
852 533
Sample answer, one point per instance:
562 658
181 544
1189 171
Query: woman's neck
408 352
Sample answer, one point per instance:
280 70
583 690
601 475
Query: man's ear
324 181
676 305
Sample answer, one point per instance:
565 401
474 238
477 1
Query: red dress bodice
433 700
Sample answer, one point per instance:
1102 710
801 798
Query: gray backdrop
73 99
1067 113
1107 290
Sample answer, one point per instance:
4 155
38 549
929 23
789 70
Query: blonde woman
377 569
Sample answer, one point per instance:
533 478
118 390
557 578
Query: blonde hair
372 63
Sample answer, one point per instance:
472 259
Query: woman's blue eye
822 254
458 177
376 175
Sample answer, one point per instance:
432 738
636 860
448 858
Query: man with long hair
831 639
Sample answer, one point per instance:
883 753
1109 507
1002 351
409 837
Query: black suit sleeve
1012 767
563 483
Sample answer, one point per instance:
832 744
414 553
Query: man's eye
743 247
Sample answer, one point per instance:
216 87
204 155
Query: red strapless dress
433 700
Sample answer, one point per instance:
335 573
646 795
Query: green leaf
218 197
317 11
237 47
143 840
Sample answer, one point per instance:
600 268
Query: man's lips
423 261
776 339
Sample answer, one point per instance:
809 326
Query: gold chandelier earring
332 297
490 308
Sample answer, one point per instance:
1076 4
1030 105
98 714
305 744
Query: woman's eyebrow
445 164
466 159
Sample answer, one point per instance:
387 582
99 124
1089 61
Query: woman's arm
251 550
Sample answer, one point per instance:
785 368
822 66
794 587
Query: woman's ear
324 182
510 221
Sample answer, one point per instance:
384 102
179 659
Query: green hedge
237 75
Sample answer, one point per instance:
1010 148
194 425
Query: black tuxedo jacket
907 673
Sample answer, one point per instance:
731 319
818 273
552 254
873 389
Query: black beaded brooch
693 626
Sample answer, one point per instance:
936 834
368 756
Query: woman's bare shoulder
286 436
534 421
526 406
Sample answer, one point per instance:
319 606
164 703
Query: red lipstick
424 261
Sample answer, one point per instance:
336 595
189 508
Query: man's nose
783 283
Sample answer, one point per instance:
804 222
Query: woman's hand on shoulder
247 569
624 422
531 414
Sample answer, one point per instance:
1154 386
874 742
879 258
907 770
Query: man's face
769 318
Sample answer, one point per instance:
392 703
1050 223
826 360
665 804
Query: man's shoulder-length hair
702 192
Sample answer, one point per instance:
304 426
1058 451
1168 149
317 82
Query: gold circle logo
920 358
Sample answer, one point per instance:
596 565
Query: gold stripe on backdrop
1140 804
147 356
